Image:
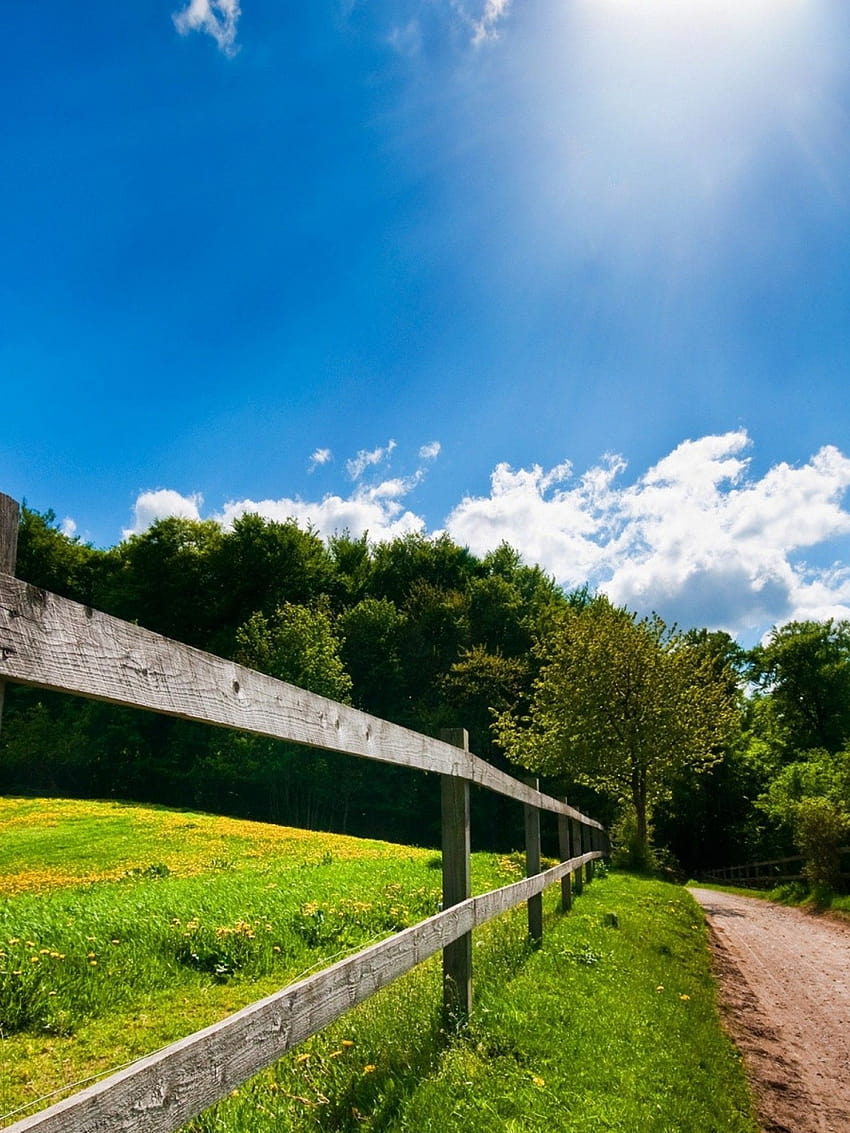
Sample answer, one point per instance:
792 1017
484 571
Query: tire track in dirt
784 980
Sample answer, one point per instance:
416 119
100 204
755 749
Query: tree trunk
640 852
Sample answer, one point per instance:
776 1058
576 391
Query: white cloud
218 18
485 27
68 527
319 457
364 459
376 511
430 451
160 504
695 538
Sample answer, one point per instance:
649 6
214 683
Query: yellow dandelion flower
33 959
660 987
369 1068
684 997
538 1081
92 963
347 1042
303 1058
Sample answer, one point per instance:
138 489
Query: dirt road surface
785 990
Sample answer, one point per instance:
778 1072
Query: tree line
696 749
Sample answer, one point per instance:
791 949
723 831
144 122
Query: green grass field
123 928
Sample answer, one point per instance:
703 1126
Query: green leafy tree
812 797
165 579
622 705
805 667
296 644
262 564
54 561
372 632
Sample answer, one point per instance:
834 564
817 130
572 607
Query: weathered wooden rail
50 642
764 875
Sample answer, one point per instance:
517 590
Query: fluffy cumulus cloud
375 507
696 537
217 18
377 511
161 504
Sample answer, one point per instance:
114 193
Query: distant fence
52 643
764 875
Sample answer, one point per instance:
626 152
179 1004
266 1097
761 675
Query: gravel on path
784 978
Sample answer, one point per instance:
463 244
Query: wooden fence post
565 853
9 516
532 866
578 850
457 957
588 843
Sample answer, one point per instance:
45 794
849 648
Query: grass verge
612 1025
150 924
795 893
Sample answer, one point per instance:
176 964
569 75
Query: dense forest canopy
726 754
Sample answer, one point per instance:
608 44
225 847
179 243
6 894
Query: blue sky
572 274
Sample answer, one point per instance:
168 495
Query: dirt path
785 988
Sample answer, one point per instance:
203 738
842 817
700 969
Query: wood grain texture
456 846
532 867
9 519
565 851
50 642
577 851
159 1093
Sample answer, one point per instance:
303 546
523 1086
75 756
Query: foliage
806 668
296 644
622 704
812 797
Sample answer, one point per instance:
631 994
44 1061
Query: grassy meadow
123 928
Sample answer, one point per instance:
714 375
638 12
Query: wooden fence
50 642
764 875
